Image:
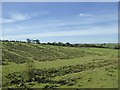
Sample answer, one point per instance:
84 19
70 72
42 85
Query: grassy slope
23 52
45 56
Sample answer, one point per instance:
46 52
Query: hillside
46 66
22 52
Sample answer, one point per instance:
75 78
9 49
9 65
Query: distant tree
5 40
68 44
48 43
28 40
13 41
33 41
44 43
54 43
75 45
37 41
60 44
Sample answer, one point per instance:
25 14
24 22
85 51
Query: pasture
27 65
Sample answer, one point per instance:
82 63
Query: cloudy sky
87 22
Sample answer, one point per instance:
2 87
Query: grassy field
28 65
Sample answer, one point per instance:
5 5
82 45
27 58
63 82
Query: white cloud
14 17
17 16
92 32
63 24
82 14
57 28
0 20
44 27
40 13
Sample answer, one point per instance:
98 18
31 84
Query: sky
74 22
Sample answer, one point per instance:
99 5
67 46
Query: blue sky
83 22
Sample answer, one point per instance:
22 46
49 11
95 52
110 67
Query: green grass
105 77
22 52
58 67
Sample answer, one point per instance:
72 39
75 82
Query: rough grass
58 67
22 52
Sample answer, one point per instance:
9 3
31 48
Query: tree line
37 41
